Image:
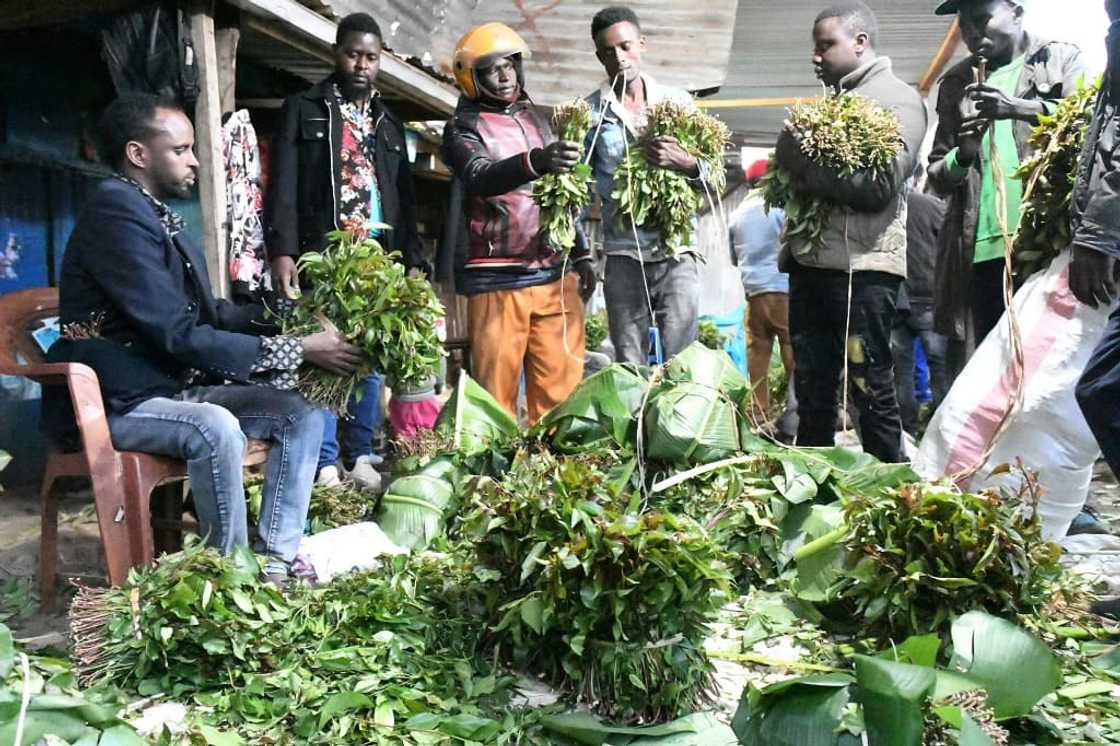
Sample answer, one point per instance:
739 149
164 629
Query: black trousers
1098 393
818 307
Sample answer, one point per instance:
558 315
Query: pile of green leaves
1055 145
844 134
365 292
604 600
662 197
743 510
179 625
595 330
562 197
330 506
381 657
901 696
915 557
56 707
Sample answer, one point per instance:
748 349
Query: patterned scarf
171 221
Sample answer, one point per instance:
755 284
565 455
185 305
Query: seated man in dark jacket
524 314
137 294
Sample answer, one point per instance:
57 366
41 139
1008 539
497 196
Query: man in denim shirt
755 235
637 262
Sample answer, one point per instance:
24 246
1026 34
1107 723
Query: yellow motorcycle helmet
480 47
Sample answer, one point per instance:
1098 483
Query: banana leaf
413 507
699 729
799 712
474 418
601 412
714 368
691 423
1015 668
892 695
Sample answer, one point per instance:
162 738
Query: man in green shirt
1026 77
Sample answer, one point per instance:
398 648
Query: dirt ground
80 552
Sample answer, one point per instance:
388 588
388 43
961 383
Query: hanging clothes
248 263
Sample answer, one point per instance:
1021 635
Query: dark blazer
305 175
152 292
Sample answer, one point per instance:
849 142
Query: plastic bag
1048 432
734 333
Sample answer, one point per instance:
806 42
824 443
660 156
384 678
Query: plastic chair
123 482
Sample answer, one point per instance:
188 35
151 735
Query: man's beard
352 89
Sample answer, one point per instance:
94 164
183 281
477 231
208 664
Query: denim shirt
756 241
611 136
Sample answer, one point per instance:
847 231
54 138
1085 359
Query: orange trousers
524 329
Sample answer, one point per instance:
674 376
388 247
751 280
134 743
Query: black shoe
1109 608
1088 521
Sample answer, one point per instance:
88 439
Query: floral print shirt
359 199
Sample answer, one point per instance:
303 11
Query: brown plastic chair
122 481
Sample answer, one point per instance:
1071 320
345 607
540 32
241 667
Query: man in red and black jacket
524 312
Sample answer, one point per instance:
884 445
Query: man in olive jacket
862 263
968 294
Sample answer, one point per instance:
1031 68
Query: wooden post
208 146
941 58
227 33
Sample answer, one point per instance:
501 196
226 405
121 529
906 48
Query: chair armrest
48 374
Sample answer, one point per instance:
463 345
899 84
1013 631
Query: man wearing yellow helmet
523 313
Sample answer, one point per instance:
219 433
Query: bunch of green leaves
607 602
844 134
562 197
331 506
662 197
365 292
708 334
997 674
373 659
180 625
1055 145
390 656
743 510
56 708
919 555
594 330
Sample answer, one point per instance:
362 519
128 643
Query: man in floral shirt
339 162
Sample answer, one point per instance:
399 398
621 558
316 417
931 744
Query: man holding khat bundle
843 291
641 272
1024 77
524 313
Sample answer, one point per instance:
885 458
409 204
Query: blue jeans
207 426
363 419
674 293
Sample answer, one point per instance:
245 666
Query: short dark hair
357 23
130 117
856 18
608 17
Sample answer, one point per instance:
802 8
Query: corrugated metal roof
773 45
689 42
